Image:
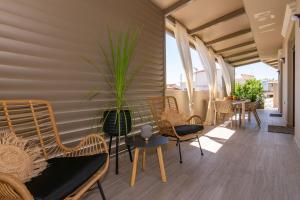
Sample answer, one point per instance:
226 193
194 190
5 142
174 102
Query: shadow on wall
200 101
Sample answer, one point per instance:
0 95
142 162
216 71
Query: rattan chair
34 120
191 130
251 107
225 108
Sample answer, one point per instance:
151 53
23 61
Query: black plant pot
111 124
112 127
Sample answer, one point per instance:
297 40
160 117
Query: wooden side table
140 144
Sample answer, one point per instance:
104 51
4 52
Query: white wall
287 76
297 81
200 101
284 72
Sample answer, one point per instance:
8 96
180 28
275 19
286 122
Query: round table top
239 101
153 141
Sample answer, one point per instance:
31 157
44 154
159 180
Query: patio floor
241 164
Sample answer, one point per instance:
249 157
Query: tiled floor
239 164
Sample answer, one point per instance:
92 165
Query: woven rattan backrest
32 120
159 104
223 106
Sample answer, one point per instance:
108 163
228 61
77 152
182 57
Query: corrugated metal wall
41 47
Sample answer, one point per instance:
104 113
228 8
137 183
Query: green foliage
117 59
252 89
117 72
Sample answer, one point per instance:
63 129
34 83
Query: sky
175 70
259 70
174 65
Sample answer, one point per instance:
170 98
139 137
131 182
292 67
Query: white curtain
183 45
207 58
225 74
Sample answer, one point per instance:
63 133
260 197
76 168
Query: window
175 72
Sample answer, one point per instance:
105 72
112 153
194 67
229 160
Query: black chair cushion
64 175
188 129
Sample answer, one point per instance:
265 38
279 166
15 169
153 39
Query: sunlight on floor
208 144
221 133
207 141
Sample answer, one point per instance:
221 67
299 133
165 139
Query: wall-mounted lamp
282 60
296 18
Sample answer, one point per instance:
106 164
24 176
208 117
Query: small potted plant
117 121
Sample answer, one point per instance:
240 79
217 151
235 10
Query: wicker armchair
251 107
191 130
225 108
34 120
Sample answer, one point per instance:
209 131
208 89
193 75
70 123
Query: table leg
249 116
215 118
243 114
134 166
144 159
117 155
161 164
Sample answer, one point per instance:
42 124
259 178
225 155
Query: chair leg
110 141
200 146
101 190
129 152
257 118
179 148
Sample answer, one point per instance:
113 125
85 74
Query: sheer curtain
208 60
225 73
183 45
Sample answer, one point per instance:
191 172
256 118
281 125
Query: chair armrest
89 145
13 188
165 124
195 119
166 128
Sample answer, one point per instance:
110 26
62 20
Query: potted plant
117 121
252 90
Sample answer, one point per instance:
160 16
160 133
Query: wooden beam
244 59
226 17
252 50
272 61
175 6
247 63
229 36
171 19
236 46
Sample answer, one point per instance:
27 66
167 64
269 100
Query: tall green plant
118 58
252 89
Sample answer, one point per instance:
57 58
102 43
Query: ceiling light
282 60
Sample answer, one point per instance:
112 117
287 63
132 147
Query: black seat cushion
188 129
64 175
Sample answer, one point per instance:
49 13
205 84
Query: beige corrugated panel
41 49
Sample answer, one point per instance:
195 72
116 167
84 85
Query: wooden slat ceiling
222 26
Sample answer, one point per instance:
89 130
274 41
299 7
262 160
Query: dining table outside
241 104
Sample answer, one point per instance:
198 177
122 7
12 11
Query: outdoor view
266 76
175 72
